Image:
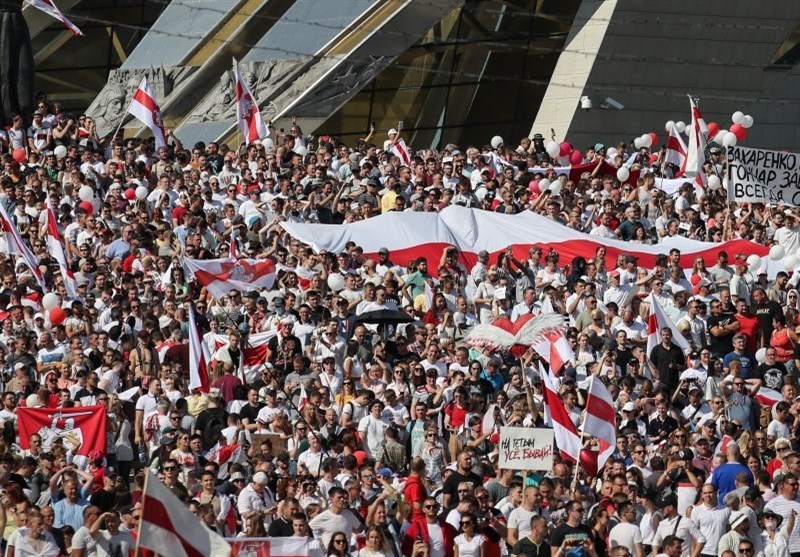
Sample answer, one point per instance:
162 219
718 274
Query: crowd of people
371 440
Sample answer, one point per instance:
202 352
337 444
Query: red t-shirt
457 415
750 327
414 491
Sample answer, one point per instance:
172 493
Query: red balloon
57 316
19 155
738 131
654 137
130 194
86 206
576 157
564 148
533 186
713 129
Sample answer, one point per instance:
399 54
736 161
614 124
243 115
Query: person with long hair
339 545
469 543
375 543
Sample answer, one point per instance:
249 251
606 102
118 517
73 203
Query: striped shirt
783 506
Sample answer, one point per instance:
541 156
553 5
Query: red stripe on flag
157 514
145 100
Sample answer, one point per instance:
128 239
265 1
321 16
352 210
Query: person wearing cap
478 272
256 499
739 524
674 524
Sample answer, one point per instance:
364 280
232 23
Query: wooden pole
141 515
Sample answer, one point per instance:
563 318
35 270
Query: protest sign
763 176
524 448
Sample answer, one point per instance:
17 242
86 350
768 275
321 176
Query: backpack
216 423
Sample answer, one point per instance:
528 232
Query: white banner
763 176
525 448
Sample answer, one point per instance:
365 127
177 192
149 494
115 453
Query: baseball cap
666 500
629 407
260 478
752 493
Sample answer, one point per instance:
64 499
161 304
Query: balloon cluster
646 140
737 132
790 260
55 313
564 152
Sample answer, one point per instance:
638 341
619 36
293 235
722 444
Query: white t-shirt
520 519
327 523
436 541
374 428
625 535
471 548
114 545
82 539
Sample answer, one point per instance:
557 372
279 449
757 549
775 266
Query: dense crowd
371 439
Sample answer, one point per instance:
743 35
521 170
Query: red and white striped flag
695 156
657 321
225 455
49 7
768 397
600 422
251 124
303 397
566 434
56 248
429 296
145 107
254 352
168 527
401 150
676 150
233 250
16 246
220 276
199 357
555 349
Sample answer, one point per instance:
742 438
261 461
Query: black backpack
214 426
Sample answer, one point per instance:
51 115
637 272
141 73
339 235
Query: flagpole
141 514
583 425
122 120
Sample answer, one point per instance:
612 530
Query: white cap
391 131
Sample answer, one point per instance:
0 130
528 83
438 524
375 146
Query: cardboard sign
525 448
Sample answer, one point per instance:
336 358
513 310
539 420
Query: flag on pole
251 124
49 7
56 249
657 321
199 357
676 150
168 527
566 434
600 422
233 251
401 150
145 107
555 349
16 246
225 455
695 155
220 276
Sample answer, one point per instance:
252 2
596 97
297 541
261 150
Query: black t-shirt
280 528
481 387
526 548
771 375
670 362
567 532
250 412
450 486
723 344
765 312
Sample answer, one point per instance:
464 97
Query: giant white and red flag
199 357
251 124
145 107
600 422
566 434
695 155
56 249
49 7
16 246
168 527
220 276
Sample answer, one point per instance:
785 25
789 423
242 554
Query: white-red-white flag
271 547
600 421
676 150
657 321
225 455
220 276
303 397
16 246
768 397
49 7
429 296
251 124
695 155
254 353
168 527
401 150
566 434
56 248
233 250
199 357
555 349
144 106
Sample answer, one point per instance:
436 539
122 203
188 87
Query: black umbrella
384 317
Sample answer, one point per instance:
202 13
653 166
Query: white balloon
713 182
737 117
720 136
747 121
86 193
647 141
637 143
336 282
300 150
60 152
791 262
544 184
50 300
776 252
141 192
497 141
623 173
729 140
680 126
753 262
555 187
761 355
552 149
668 126
611 152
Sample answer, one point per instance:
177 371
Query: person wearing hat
257 500
774 541
674 524
739 524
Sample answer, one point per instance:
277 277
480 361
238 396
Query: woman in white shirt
468 543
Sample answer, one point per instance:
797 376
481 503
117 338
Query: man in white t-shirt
336 519
112 541
626 533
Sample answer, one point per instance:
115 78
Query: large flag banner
269 547
82 429
251 124
145 107
49 7
56 249
168 527
199 357
763 176
220 276
525 448
255 351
